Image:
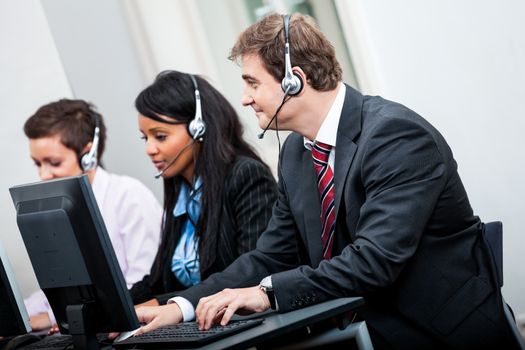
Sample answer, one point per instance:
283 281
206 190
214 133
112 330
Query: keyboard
185 335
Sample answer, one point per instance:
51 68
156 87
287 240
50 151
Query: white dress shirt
327 134
328 131
133 217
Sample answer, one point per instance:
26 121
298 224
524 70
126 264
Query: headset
197 127
292 82
89 160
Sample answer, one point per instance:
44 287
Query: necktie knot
321 153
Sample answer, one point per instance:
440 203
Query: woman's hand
158 316
151 302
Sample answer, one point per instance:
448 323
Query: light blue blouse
185 261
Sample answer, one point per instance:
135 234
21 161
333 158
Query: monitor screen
72 256
13 315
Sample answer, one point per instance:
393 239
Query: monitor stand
80 327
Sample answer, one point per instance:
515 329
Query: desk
276 324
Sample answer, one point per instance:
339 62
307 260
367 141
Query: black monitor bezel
110 307
14 320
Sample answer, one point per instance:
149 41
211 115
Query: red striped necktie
325 183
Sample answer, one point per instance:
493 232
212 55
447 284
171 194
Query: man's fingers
218 316
228 314
220 307
223 301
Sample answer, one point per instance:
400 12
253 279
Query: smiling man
370 204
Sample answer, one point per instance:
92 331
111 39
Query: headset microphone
160 173
261 135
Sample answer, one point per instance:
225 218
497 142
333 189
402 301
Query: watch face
266 283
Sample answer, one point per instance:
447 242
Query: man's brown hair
309 49
73 120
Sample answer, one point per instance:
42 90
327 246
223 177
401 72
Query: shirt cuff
188 312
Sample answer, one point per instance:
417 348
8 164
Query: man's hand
158 316
220 307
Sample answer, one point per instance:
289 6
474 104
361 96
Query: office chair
493 234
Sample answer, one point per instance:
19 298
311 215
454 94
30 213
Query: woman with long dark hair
218 193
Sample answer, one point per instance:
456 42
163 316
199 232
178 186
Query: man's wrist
265 299
266 286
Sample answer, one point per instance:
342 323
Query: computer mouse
21 340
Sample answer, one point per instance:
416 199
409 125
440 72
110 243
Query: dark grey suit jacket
406 238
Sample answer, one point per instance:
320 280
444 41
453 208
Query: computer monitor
13 314
73 258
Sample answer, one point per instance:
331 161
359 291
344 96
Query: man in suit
370 204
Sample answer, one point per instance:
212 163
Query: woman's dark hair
172 94
73 120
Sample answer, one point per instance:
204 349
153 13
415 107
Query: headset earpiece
197 127
89 160
292 82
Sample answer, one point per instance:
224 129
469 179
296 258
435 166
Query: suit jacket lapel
347 131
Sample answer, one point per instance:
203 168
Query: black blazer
406 238
249 194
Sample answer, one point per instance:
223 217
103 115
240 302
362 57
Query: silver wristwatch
266 286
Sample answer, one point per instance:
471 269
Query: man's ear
301 74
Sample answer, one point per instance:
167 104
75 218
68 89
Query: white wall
31 74
461 65
101 63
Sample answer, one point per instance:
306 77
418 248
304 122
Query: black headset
292 82
89 160
197 127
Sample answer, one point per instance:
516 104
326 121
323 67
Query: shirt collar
188 201
328 131
100 184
